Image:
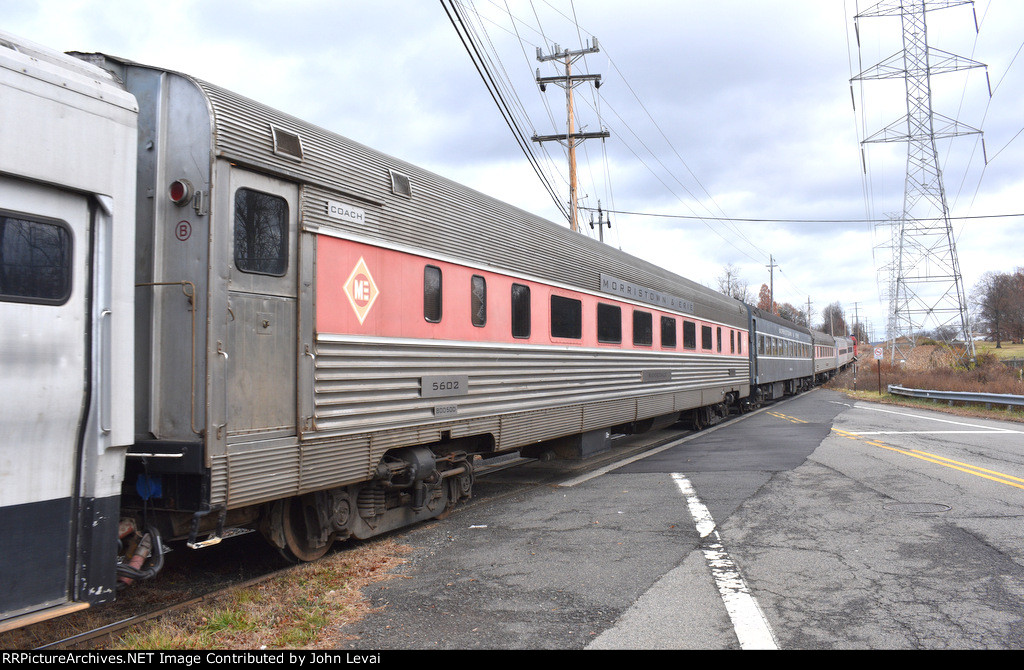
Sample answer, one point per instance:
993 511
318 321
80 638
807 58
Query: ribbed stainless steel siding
367 402
375 384
253 473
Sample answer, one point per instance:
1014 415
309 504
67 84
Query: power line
474 53
765 220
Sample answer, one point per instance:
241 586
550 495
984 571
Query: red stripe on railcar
366 290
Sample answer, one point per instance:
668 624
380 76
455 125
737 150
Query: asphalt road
816 523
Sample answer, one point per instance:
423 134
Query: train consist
217 316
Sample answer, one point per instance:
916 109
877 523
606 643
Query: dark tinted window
478 300
609 323
261 233
668 332
35 261
719 340
705 337
566 317
643 328
432 294
689 335
520 310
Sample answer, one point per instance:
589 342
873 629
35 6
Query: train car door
262 308
45 386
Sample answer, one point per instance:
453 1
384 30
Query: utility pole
928 284
601 222
569 139
771 282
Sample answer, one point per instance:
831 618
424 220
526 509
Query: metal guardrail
987 399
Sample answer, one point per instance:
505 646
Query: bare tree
833 320
788 311
998 299
730 283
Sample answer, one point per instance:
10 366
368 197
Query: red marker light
180 192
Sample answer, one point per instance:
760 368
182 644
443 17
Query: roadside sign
879 355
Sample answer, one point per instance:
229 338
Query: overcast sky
728 109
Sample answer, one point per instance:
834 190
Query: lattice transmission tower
926 287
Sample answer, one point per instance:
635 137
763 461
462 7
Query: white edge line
867 406
748 620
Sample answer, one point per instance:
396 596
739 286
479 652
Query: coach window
689 335
566 317
719 340
609 323
261 233
732 341
705 338
643 329
478 300
668 332
35 261
432 294
520 311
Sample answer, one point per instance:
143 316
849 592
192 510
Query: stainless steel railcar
826 358
325 336
846 351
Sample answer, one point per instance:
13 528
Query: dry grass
933 367
303 609
1005 350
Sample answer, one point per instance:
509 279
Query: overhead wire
457 20
596 107
830 221
506 80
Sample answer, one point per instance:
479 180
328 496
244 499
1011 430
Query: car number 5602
444 385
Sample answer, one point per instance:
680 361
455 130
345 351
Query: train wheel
301 526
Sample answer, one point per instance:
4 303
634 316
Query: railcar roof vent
400 184
287 143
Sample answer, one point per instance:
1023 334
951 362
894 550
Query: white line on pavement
748 620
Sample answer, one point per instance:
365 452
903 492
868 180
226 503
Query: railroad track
258 563
101 626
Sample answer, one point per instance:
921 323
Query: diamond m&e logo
361 290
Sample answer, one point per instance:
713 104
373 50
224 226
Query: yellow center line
973 467
945 462
1001 478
